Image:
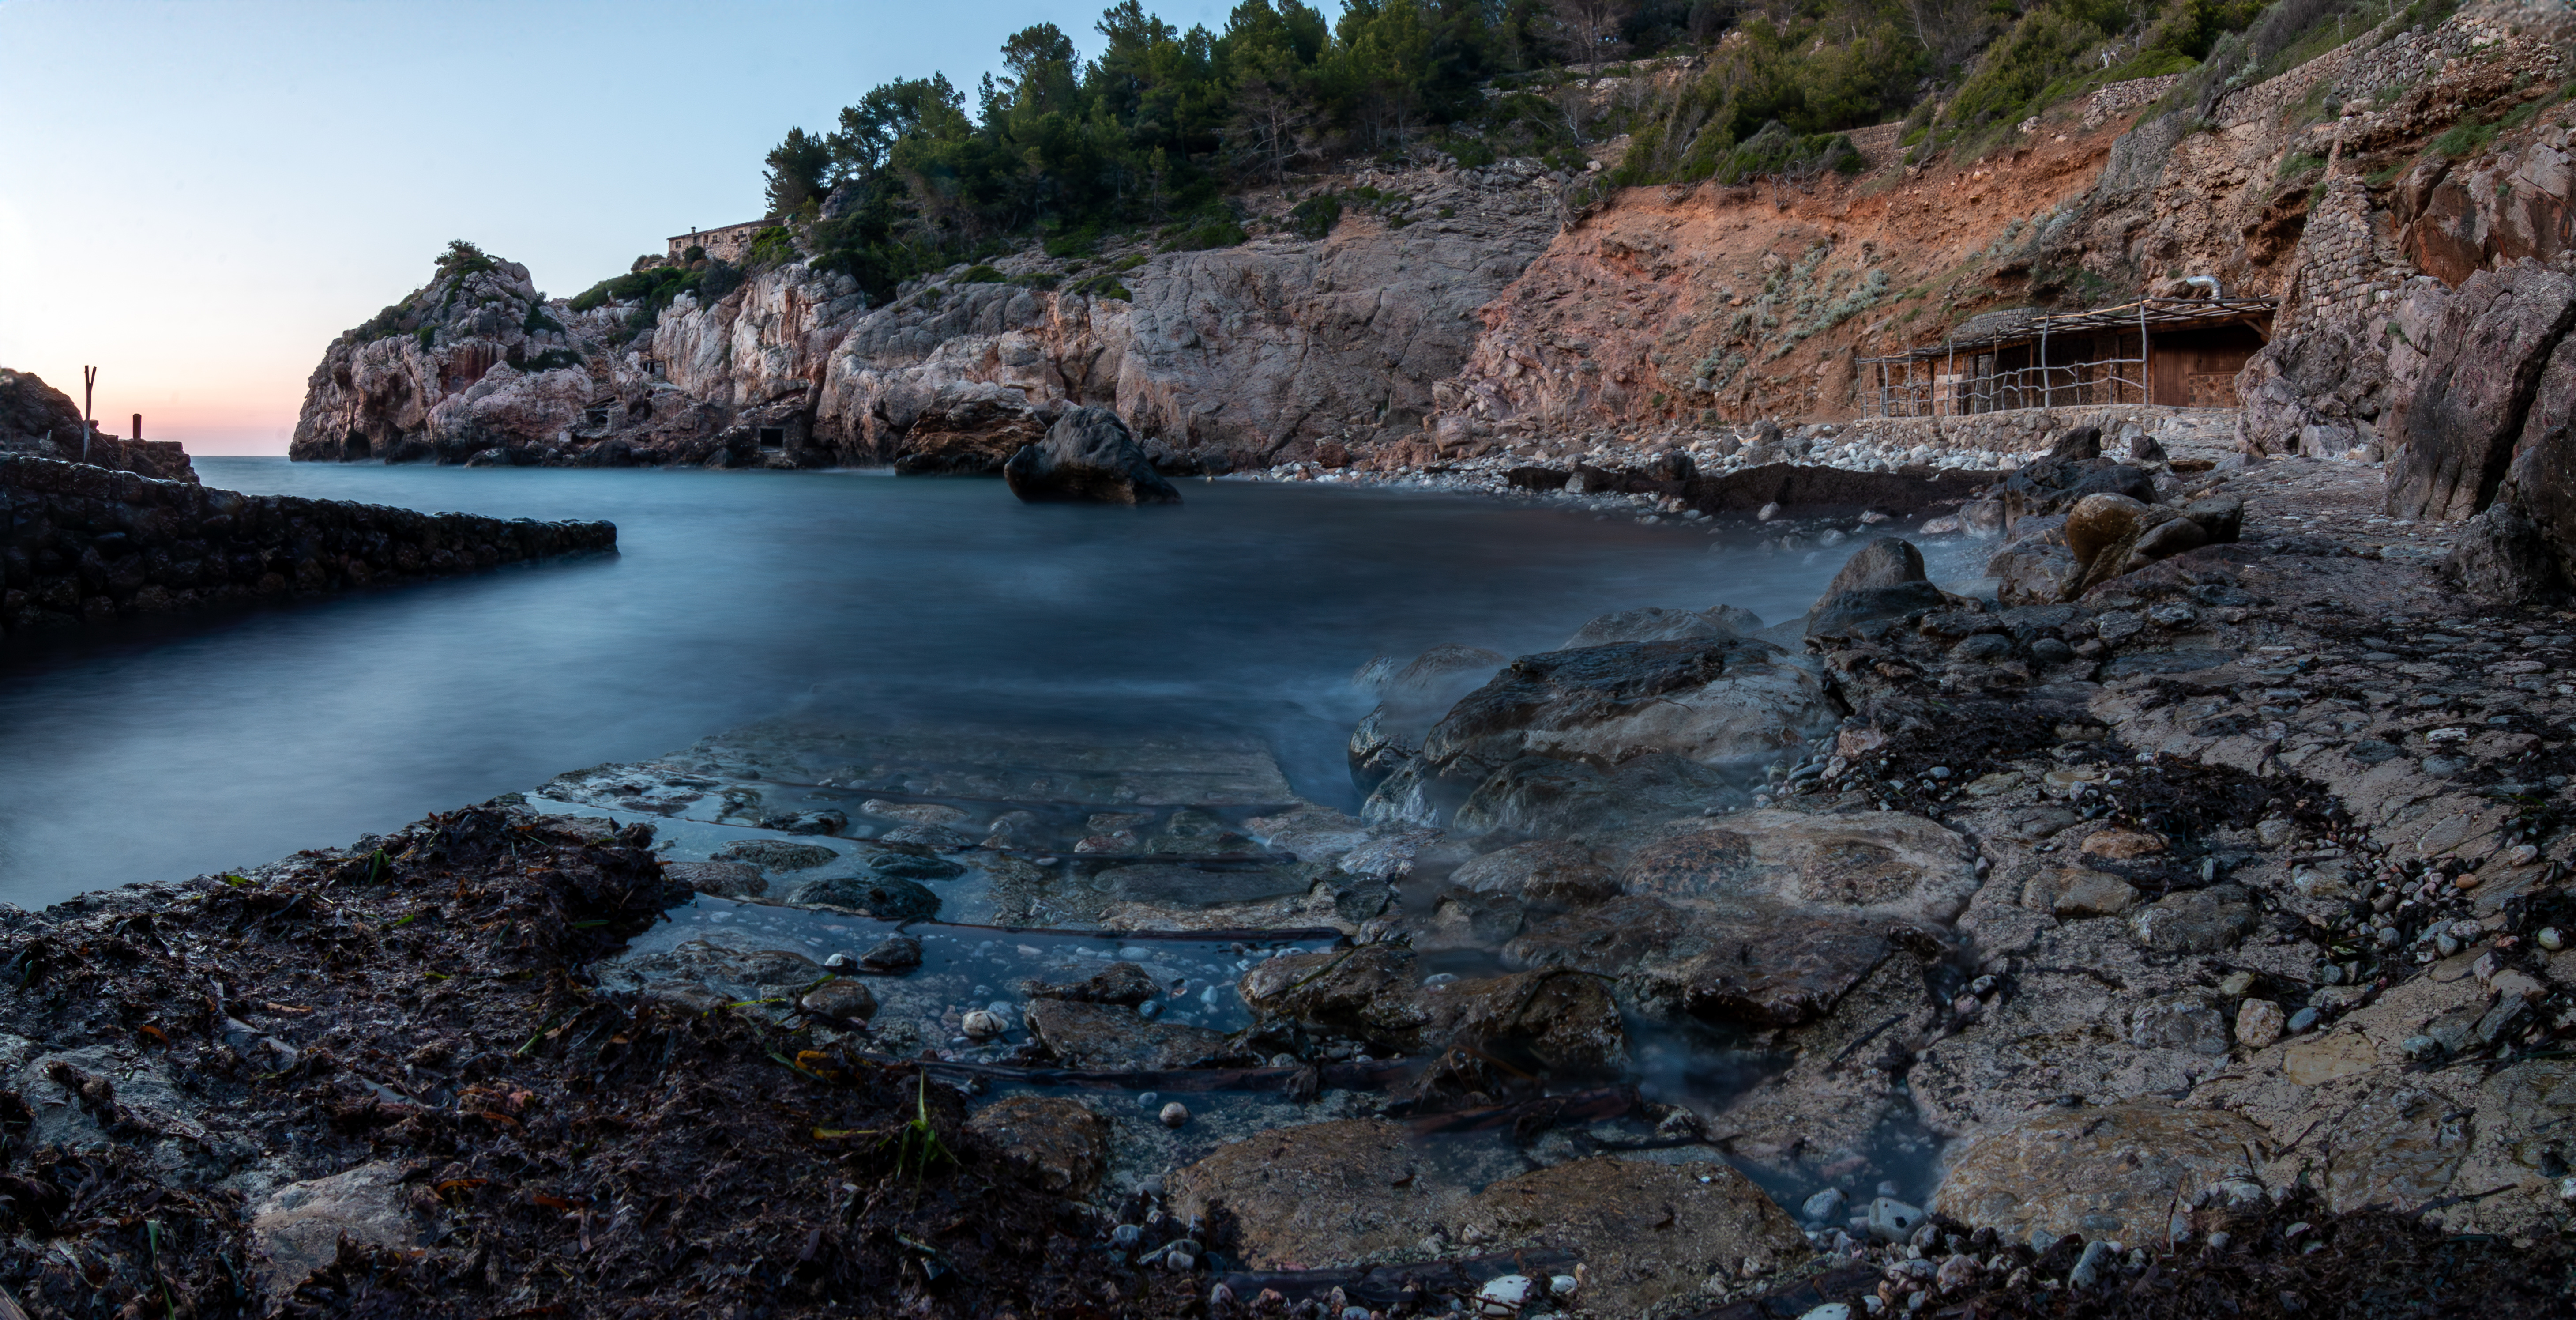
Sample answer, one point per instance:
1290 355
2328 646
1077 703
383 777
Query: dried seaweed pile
425 1000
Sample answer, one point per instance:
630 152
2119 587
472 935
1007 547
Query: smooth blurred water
159 749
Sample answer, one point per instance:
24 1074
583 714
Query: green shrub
1218 231
774 246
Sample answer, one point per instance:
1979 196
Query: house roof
2022 325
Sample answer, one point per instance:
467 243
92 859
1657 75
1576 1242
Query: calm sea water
155 750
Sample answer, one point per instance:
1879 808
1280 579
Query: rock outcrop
1087 458
38 420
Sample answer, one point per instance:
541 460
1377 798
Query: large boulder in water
1088 457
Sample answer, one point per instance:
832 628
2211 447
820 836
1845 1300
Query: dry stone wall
85 544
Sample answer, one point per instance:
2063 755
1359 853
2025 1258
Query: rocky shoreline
84 544
2195 938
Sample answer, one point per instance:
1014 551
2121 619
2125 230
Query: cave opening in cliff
773 437
357 446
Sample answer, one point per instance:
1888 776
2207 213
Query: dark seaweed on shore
424 1000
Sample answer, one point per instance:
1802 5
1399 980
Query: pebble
1175 1114
1125 1235
1824 1206
1892 1221
2088 1267
2550 939
1562 1285
1765 514
840 962
982 1024
2302 1020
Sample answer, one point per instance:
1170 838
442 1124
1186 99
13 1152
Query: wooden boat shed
2174 352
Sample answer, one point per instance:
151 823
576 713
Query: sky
196 197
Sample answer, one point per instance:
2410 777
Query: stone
2078 443
2100 521
1649 624
886 898
777 854
1647 1232
2460 425
2208 920
2184 1020
2082 893
1842 613
1174 1114
2259 1022
982 1024
1881 860
297 1228
840 998
722 879
1109 1038
1542 873
1061 1143
1123 983
2117 1171
1726 704
1320 1195
2122 844
1892 1220
895 954
1757 965
1088 457
1886 562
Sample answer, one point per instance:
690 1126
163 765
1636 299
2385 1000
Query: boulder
1649 1234
1088 457
2461 422
1886 562
1122 983
2522 548
2048 486
1843 612
2098 522
2195 921
1722 705
2080 443
2120 1171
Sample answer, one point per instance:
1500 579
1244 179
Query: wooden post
2047 396
138 426
89 426
2146 361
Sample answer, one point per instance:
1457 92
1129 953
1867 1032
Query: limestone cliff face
1221 357
472 361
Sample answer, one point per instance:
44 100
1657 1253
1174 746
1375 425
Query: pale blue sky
196 197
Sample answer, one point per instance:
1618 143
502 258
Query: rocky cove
2028 941
1571 797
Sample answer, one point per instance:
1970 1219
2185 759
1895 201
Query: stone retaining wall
2030 430
2342 265
81 543
2120 98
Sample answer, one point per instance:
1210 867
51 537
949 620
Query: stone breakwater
85 544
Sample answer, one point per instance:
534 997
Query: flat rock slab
1873 859
1648 1233
1756 965
2121 1171
1322 1195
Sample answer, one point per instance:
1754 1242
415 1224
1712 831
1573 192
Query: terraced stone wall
86 544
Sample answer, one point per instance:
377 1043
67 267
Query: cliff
1225 357
1456 312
